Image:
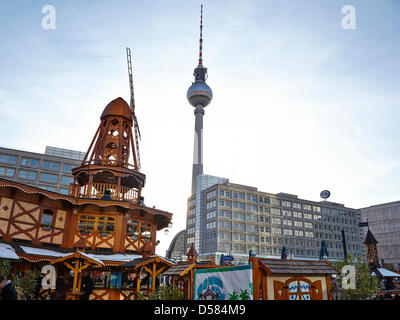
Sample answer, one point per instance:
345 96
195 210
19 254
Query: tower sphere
199 93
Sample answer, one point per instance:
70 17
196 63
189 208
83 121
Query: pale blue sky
300 104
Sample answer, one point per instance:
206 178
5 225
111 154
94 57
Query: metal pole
344 244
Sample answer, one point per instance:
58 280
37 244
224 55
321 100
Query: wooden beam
153 278
264 285
328 286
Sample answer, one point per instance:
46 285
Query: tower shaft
198 146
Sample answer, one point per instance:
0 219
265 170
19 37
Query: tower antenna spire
201 37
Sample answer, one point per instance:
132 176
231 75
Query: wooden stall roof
177 269
136 263
282 266
78 255
183 268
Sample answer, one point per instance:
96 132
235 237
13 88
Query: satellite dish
325 194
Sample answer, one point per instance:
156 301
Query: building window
287 222
276 221
326 210
225 225
252 228
299 289
286 203
306 206
316 209
297 214
287 232
51 178
51 165
308 225
211 214
100 223
47 219
211 194
276 231
298 233
211 225
317 217
27 175
7 172
66 180
298 224
287 213
68 168
211 204
275 202
132 228
276 211
32 163
6 158
308 216
63 191
48 188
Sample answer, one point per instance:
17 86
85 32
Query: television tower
199 95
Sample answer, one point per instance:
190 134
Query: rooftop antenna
132 106
201 37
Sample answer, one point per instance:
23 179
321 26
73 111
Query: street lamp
166 230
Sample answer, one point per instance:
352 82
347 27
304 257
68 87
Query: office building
227 218
50 171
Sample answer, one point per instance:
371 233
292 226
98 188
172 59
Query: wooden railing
104 191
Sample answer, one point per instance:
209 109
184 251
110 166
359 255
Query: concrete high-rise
228 218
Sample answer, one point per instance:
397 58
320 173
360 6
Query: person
7 289
86 285
60 284
38 284
383 285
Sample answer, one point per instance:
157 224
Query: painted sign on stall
232 283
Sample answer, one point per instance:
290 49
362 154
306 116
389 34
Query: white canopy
43 252
7 252
120 257
387 273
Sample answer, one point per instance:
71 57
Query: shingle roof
177 269
369 238
278 266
